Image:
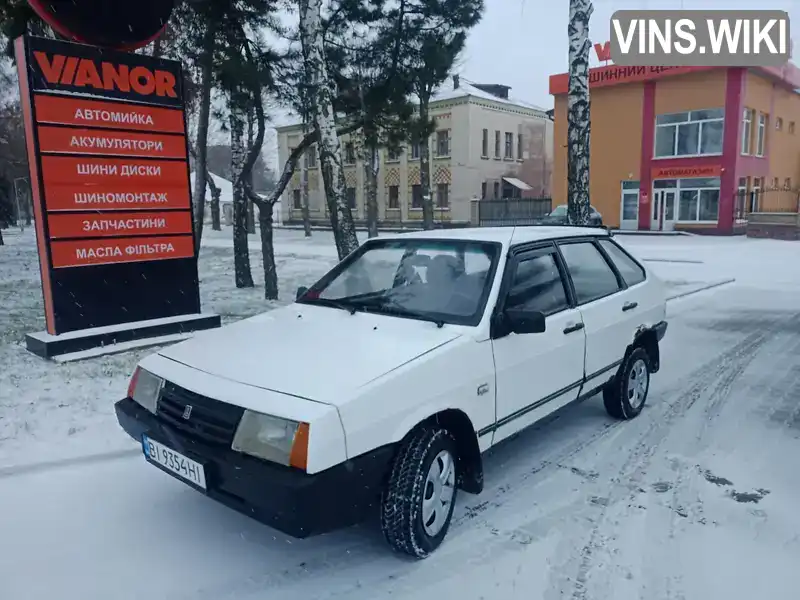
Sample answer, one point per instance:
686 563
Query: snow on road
696 498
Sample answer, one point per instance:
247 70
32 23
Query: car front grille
210 420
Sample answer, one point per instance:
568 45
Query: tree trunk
241 253
578 111
268 252
425 167
371 167
304 193
251 211
216 192
2 243
200 165
323 93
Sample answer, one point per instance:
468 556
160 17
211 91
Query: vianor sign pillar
108 159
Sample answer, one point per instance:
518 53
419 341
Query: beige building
486 145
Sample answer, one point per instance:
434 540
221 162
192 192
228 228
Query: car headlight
272 438
145 388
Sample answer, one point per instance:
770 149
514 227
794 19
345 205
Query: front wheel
625 395
417 504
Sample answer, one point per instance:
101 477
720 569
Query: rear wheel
417 504
625 395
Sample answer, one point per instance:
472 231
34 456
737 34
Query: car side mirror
300 292
525 321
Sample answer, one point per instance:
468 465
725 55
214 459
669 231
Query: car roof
505 235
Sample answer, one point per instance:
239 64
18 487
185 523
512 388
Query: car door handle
573 328
629 306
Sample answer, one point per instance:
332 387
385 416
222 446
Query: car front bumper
290 500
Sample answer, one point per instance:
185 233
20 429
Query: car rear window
630 270
592 276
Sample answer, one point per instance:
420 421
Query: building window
747 131
297 201
787 183
755 195
762 134
442 195
699 199
416 196
509 148
496 190
519 147
443 143
310 156
483 191
392 154
630 200
415 151
775 183
694 133
349 153
350 193
791 127
779 124
497 144
485 144
394 196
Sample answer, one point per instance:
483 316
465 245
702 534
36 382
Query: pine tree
430 35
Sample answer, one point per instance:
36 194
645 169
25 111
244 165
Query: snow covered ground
695 499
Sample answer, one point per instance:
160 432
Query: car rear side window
591 275
630 270
537 285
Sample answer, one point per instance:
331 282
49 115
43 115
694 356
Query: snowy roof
504 235
447 91
225 188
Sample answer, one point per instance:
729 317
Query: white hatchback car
383 384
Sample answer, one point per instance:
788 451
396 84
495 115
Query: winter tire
417 503
626 394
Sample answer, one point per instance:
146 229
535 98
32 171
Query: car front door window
538 286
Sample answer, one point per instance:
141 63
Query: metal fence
767 200
511 211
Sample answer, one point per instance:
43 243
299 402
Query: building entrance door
665 210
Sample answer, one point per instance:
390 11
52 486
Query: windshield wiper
332 303
389 306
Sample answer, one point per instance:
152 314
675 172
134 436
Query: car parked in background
385 382
558 216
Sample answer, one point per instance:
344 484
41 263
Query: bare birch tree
241 253
578 113
322 97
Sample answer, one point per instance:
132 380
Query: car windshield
444 281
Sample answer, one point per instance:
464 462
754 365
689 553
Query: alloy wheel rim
637 384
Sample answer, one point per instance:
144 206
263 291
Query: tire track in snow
78 461
685 504
677 400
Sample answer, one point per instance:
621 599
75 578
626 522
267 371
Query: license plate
177 463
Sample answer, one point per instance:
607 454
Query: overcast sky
521 43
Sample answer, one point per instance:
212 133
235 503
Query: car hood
318 353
